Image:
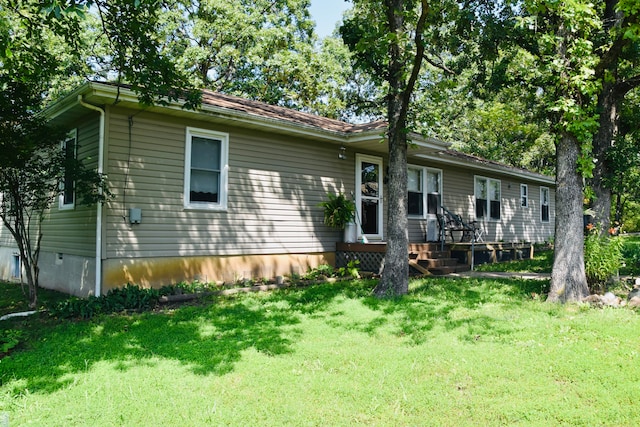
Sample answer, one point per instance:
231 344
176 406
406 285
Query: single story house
232 190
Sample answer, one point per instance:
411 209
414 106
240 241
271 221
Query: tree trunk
602 142
395 275
619 208
568 278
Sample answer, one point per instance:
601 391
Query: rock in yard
611 300
634 302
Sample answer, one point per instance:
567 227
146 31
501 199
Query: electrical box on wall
135 215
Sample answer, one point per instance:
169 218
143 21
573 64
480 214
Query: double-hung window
544 204
206 169
524 195
415 191
67 185
488 198
424 187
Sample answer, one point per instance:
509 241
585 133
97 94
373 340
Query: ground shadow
210 338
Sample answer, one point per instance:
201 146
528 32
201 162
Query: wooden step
432 254
418 247
413 264
437 263
443 271
429 259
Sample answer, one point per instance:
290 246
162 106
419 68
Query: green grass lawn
451 353
542 262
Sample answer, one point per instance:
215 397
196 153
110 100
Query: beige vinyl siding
275 185
73 231
516 222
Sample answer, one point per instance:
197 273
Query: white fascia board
65 104
127 97
503 170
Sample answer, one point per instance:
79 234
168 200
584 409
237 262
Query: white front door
369 196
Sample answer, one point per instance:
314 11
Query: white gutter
98 290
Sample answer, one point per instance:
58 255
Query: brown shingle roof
261 109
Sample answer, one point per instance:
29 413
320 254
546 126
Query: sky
327 13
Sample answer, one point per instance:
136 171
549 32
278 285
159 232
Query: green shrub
351 269
631 254
9 339
129 297
603 258
188 288
321 270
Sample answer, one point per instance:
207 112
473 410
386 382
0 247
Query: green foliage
603 256
9 339
129 297
322 270
188 288
351 270
289 358
338 210
542 262
631 254
325 270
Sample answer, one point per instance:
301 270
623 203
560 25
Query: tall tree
260 49
618 73
400 45
623 163
387 40
561 40
32 162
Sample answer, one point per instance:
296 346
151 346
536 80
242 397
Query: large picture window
67 185
544 204
424 186
488 198
206 168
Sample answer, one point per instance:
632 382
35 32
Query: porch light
342 155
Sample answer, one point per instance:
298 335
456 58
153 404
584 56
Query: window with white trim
16 267
206 169
415 193
424 187
524 195
544 204
488 198
66 199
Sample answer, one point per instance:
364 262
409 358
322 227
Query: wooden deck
435 258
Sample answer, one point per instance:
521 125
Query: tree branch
629 84
417 60
440 65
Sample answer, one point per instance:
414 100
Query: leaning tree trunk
568 278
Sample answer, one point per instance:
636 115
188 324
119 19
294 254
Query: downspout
98 290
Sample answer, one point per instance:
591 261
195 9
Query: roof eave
442 157
107 94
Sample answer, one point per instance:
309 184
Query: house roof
223 108
262 109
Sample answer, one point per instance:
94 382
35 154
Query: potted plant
339 213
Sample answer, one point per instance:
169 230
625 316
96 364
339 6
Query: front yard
453 352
